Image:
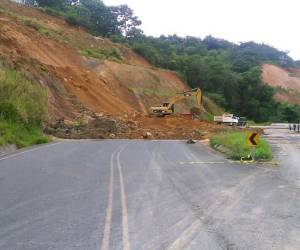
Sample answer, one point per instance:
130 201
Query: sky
274 22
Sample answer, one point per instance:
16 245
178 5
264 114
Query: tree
148 52
29 2
78 15
213 43
102 20
254 99
50 3
127 21
245 59
73 2
290 113
135 35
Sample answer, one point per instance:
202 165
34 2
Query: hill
95 88
285 81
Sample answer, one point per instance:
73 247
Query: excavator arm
168 108
194 92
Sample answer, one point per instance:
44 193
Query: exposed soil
285 81
85 90
137 126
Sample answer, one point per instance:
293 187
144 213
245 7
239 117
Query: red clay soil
178 127
286 82
95 85
48 50
144 127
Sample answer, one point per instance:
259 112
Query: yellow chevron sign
253 138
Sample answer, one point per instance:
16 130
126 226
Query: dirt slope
85 76
285 81
46 44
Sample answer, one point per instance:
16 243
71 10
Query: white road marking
125 233
29 150
185 237
108 219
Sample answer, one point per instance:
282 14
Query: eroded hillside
286 82
86 76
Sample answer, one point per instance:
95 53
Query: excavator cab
172 108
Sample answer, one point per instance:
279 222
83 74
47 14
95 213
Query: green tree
213 43
127 21
78 15
135 35
254 99
290 113
50 3
102 21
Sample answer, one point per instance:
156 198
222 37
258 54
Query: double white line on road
109 213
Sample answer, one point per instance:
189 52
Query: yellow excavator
167 108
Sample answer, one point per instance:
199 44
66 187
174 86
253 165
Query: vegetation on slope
111 54
229 72
23 108
237 147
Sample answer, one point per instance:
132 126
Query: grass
32 24
110 54
237 147
23 108
44 30
20 135
206 116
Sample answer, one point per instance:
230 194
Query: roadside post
253 142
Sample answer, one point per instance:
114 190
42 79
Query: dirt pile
286 82
96 88
136 127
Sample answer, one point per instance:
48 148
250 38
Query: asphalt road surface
286 145
121 194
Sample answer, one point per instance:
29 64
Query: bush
117 39
148 52
25 99
112 54
23 108
20 135
8 112
50 3
50 11
218 99
32 24
72 19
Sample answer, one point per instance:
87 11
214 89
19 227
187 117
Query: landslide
286 82
87 78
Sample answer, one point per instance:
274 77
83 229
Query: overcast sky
275 22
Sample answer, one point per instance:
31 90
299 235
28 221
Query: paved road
286 144
120 194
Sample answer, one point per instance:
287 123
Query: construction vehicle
168 108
